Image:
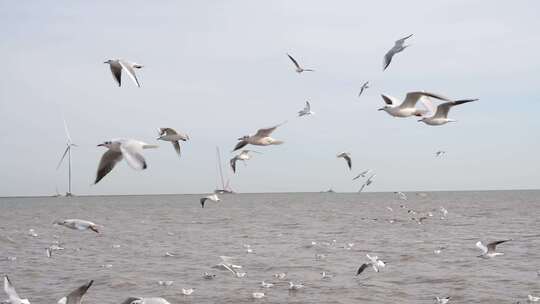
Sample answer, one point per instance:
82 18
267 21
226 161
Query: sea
147 239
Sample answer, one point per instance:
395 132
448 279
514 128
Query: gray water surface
280 229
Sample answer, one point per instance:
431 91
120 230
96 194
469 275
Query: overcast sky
217 70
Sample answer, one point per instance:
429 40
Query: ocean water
128 257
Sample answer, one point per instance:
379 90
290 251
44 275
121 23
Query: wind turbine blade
67 131
63 156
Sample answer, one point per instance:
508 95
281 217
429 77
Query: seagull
243 156
440 153
408 106
130 149
258 295
444 211
208 276
188 291
398 47
364 86
266 285
533 299
12 293
117 65
489 250
306 110
367 183
134 300
75 297
441 115
362 174
347 157
442 300
326 276
375 263
169 134
295 287
213 197
261 138
165 283
280 276
401 195
299 69
77 224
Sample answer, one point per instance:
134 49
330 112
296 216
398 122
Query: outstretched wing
129 70
362 268
349 161
267 131
240 145
10 290
107 163
401 41
444 108
388 58
116 70
168 131
294 61
133 153
176 146
482 247
75 297
491 246
413 97
233 164
387 100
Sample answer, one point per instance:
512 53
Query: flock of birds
132 151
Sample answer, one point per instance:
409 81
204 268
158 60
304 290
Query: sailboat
67 152
225 188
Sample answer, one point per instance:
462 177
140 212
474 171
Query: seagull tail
150 146
278 142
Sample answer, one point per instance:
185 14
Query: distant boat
225 188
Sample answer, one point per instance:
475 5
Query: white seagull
362 174
75 297
258 295
299 69
130 149
261 138
187 292
408 106
367 183
364 86
306 110
12 293
117 65
374 262
442 300
489 250
135 300
531 298
295 287
243 156
347 157
169 134
440 153
213 197
398 47
77 224
441 115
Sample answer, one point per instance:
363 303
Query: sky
218 70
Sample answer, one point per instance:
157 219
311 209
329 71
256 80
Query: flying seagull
362 174
117 65
440 153
374 262
295 287
130 149
489 250
77 224
442 300
367 183
75 297
243 156
299 69
408 106
347 157
398 47
213 197
364 86
261 138
441 115
306 110
169 134
12 293
532 298
134 300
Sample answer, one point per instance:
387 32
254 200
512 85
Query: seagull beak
101 145
380 109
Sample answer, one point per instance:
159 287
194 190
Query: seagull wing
233 164
444 108
388 58
294 61
240 145
75 297
107 163
482 247
116 70
413 97
267 131
491 246
168 131
387 100
176 146
132 151
10 291
401 41
129 70
202 201
362 268
349 161
308 107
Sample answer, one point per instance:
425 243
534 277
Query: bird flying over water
364 86
442 300
374 262
213 197
367 183
77 224
169 134
440 153
399 46
243 156
261 138
129 149
441 115
306 110
299 69
117 65
75 297
489 251
362 174
347 157
12 293
408 106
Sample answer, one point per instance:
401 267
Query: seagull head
109 61
106 144
245 137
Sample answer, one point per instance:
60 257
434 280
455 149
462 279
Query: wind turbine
67 152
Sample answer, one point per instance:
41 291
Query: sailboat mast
220 169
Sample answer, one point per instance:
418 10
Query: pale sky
218 70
